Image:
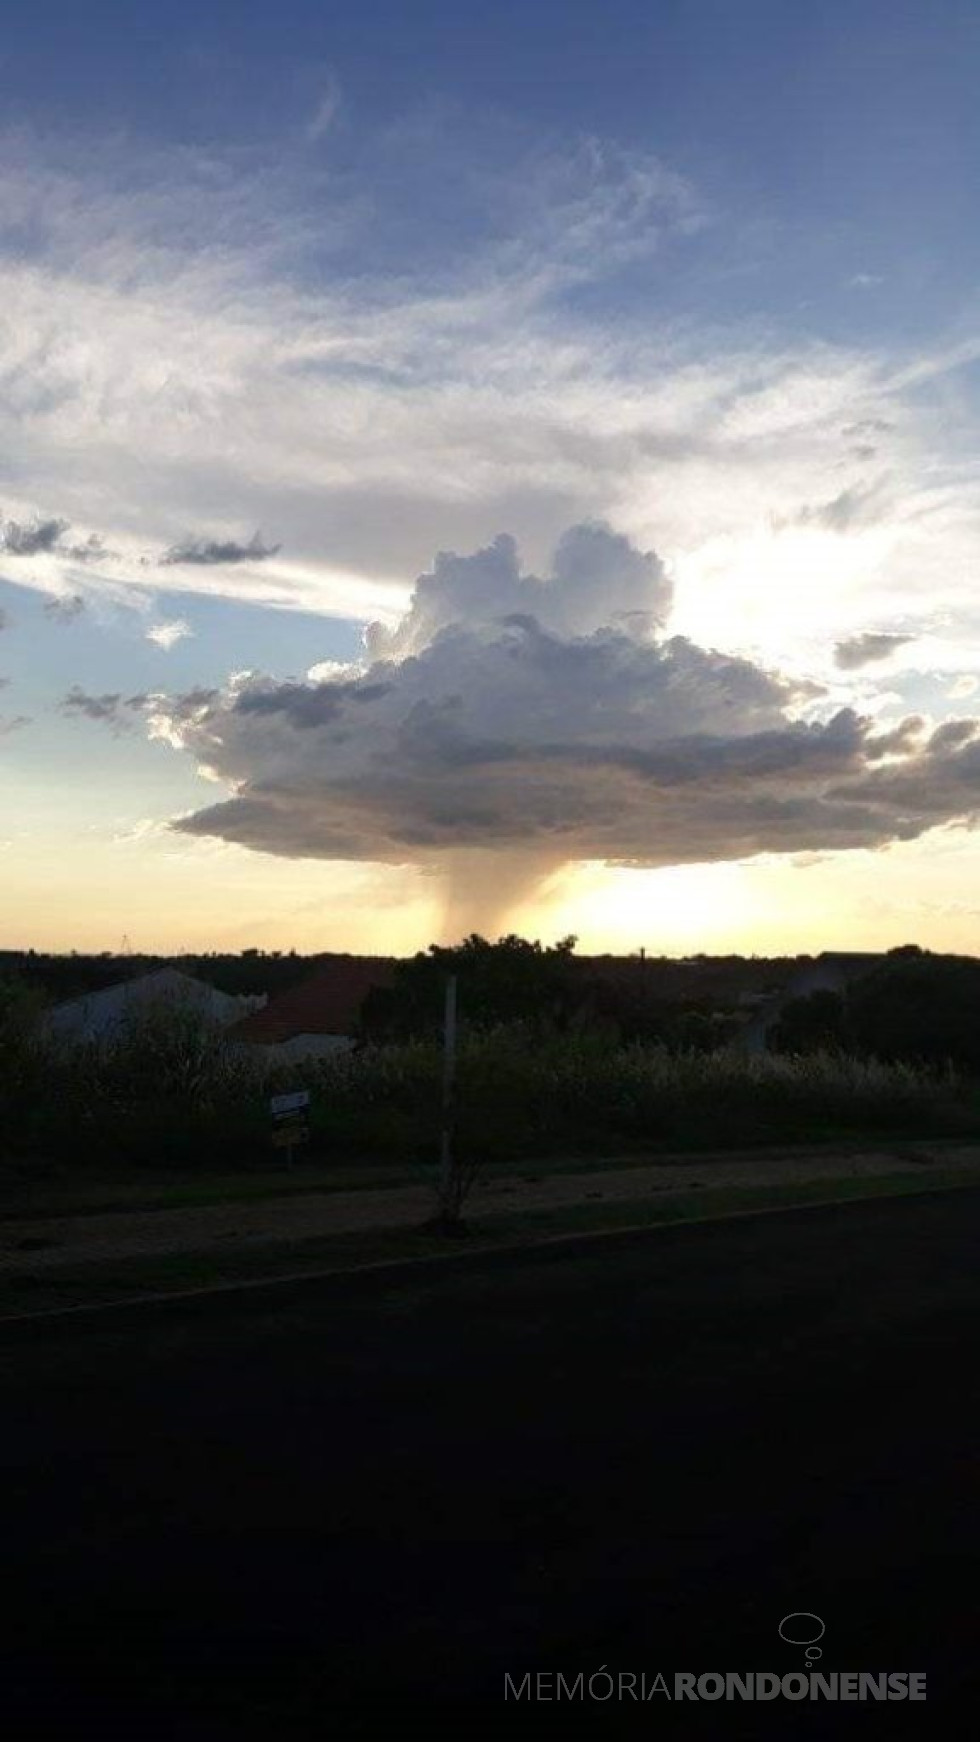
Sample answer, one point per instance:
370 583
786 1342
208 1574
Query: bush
816 1023
21 1011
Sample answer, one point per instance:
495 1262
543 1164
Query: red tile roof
328 1002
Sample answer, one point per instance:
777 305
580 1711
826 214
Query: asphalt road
302 1508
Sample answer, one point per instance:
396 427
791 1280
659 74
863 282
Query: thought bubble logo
803 1628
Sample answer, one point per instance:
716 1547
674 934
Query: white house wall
99 1015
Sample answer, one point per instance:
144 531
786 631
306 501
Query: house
832 971
101 1016
319 1015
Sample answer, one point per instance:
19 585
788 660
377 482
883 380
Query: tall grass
516 1097
171 1093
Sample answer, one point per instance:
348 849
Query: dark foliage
816 1023
71 976
508 981
919 1007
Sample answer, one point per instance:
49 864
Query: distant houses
832 971
319 1015
103 1016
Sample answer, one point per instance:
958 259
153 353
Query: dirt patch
27 1246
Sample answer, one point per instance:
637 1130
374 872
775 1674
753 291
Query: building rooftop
328 1002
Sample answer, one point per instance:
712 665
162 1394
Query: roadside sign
290 1120
281 1106
285 1136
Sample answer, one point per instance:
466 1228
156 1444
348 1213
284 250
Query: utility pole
447 1194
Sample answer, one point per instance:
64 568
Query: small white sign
282 1105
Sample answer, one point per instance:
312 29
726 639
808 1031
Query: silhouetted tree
919 1007
512 980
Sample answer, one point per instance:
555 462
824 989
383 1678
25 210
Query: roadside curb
494 1250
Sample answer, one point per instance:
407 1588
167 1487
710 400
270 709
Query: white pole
448 1081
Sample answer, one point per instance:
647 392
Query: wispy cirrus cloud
850 508
326 109
868 426
65 608
189 342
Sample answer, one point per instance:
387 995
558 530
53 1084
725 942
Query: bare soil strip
31 1245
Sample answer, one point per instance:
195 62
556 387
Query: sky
497 468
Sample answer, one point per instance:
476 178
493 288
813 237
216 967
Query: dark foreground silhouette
294 1507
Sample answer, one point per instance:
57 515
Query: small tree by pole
454 1177
448 1192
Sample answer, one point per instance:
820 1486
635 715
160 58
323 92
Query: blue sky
857 121
366 283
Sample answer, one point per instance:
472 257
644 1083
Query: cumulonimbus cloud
570 728
598 579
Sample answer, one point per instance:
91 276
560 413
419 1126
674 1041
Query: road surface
309 1507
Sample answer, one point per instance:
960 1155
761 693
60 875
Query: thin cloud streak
66 608
211 552
326 111
868 649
